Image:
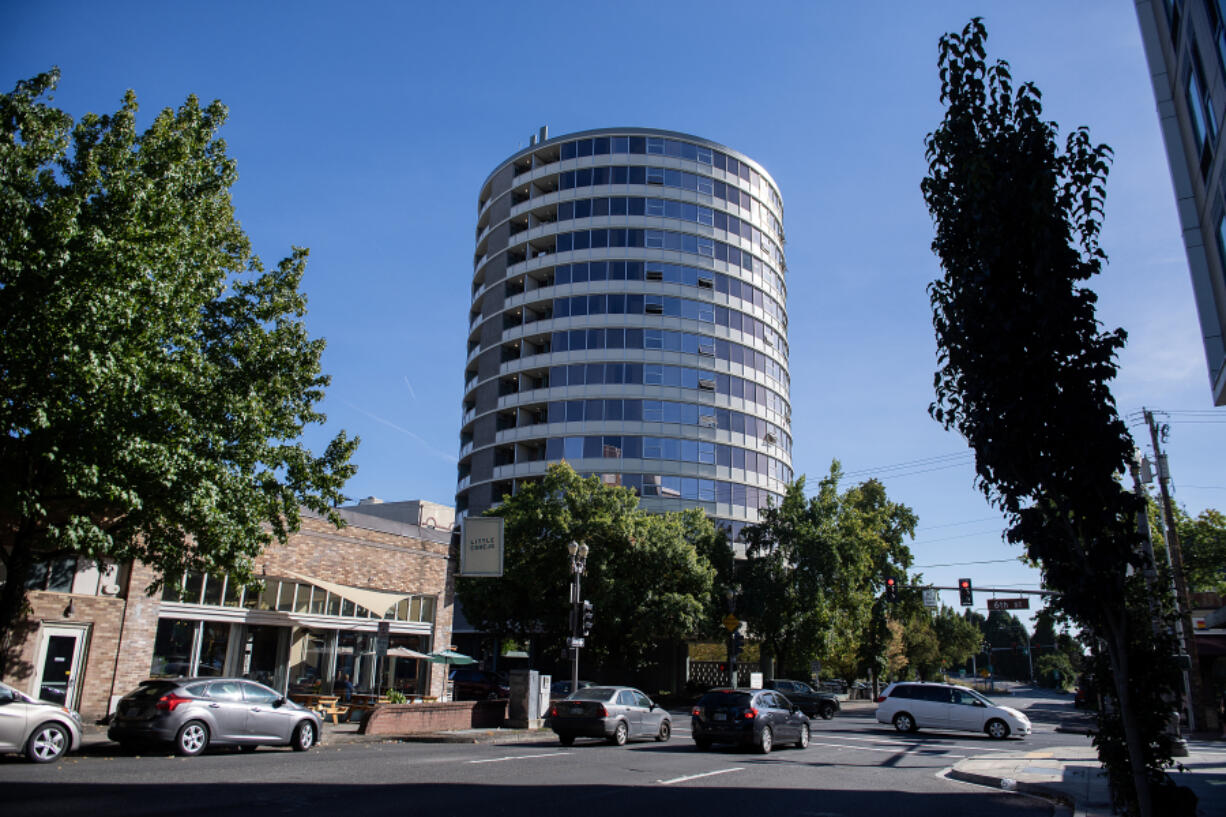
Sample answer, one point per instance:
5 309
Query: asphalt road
853 766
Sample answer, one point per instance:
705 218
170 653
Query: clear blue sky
364 131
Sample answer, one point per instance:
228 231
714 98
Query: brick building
365 601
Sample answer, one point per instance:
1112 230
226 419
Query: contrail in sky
412 393
418 437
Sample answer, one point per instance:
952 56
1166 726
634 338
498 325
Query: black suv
749 717
478 685
812 702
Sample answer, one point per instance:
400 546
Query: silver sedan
614 713
195 713
42 731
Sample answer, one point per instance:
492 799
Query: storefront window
302 601
427 609
192 587
285 599
401 672
334 605
172 648
311 659
319 599
213 586
261 651
214 641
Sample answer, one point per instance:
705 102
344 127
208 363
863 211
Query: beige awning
376 601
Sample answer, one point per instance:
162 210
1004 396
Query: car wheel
803 743
827 711
997 728
620 733
903 722
701 744
192 739
47 743
304 736
666 731
248 748
767 741
566 740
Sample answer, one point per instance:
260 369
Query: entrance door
59 665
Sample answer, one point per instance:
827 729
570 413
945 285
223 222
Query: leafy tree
157 379
815 567
1024 377
649 576
959 638
1055 671
922 645
1202 543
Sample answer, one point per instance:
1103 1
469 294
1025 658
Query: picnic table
328 706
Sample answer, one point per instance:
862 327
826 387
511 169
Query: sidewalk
1072 775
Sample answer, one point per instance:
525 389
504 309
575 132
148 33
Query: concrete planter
415 719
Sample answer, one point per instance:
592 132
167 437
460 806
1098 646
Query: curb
489 737
1021 787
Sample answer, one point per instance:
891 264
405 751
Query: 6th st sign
1009 604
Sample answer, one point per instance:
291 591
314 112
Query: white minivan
911 705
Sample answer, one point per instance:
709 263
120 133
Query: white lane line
888 742
894 751
518 757
704 774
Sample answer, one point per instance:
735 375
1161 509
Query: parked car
812 702
749 717
560 689
195 713
43 732
1084 698
615 713
917 705
478 685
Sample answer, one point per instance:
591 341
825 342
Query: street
854 766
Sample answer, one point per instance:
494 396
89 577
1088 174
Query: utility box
524 710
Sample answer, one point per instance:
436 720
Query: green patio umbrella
446 657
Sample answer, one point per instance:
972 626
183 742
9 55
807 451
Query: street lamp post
578 563
730 596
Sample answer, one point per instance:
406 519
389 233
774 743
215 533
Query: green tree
815 567
958 637
1024 377
156 378
1202 543
649 576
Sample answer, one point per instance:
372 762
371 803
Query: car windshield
801 686
592 694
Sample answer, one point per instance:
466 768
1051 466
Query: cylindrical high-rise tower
629 316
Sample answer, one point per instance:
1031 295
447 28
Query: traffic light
965 593
587 617
738 643
891 589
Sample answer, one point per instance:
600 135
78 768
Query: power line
963 564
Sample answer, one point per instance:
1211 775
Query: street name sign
1009 604
574 642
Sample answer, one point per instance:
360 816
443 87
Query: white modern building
629 316
1185 46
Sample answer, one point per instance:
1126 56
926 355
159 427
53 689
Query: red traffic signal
891 589
966 593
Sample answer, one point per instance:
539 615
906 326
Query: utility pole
1192 685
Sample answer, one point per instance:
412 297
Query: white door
61 654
